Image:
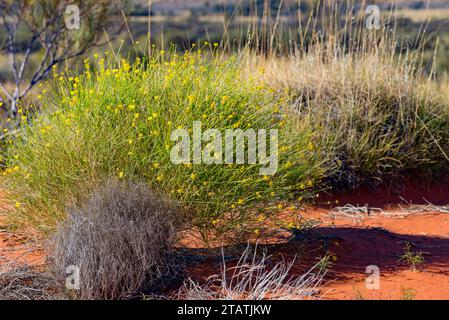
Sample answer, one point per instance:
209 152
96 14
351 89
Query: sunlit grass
350 109
116 120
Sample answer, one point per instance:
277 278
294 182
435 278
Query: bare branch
5 91
45 24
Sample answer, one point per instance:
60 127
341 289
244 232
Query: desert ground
354 238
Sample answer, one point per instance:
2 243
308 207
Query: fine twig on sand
426 208
356 213
255 278
26 283
22 278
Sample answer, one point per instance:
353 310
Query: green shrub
117 121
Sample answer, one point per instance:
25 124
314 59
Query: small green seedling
413 259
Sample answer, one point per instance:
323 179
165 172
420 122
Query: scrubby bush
116 120
121 240
349 108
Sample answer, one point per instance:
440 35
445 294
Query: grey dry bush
121 240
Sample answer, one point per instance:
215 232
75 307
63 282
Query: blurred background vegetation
184 22
230 23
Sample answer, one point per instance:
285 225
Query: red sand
380 241
19 249
371 240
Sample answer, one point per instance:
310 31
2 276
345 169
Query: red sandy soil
376 239
380 241
18 248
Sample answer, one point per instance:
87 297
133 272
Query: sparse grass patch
358 294
408 293
375 112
